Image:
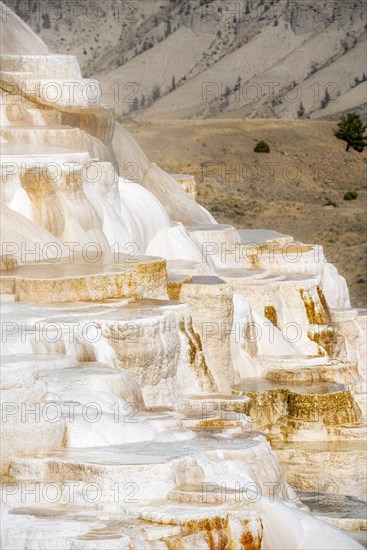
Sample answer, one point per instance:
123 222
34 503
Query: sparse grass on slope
288 190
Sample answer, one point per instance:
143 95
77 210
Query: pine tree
46 24
168 29
326 100
227 93
352 130
156 93
134 105
301 110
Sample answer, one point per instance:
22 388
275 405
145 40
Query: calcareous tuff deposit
167 382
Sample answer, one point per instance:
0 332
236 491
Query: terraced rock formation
163 386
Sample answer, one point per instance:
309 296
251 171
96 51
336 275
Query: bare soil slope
210 58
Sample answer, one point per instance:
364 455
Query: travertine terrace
167 382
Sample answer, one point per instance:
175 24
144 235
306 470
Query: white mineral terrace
167 382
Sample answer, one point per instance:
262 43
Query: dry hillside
210 58
288 190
